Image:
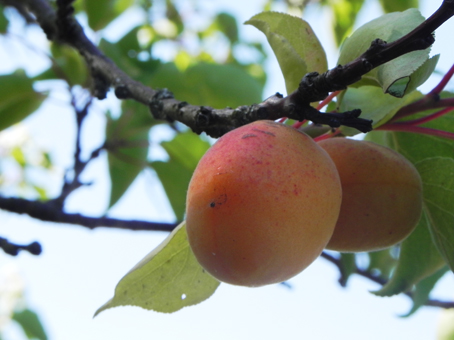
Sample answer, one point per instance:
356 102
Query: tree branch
381 281
51 212
61 27
13 249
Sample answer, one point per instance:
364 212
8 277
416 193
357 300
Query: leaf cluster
169 278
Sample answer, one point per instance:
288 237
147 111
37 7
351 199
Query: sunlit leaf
423 288
297 49
398 6
166 280
17 99
345 12
389 27
446 325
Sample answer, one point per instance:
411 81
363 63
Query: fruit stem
428 118
297 125
402 127
327 100
446 78
327 135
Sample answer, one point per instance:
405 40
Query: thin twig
381 281
51 212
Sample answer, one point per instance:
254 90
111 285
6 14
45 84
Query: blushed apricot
262 204
381 195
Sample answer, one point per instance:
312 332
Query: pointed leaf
17 99
101 12
184 151
388 27
418 259
438 178
127 146
30 323
297 49
423 289
166 280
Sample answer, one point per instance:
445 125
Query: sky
79 268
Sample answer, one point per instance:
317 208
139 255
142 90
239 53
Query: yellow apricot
262 204
381 195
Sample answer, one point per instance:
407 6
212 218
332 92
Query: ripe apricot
262 204
381 195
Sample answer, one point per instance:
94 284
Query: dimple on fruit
381 195
262 204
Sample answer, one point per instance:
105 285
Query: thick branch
314 87
51 212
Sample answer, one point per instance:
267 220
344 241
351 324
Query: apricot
381 195
262 204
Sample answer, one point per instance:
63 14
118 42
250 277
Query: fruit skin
382 195
262 204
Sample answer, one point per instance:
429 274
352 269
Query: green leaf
184 151
398 6
127 146
30 323
383 262
418 259
423 289
297 49
433 157
345 12
124 53
17 99
69 65
227 24
166 280
174 16
374 104
101 12
3 21
209 84
438 179
388 27
347 267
